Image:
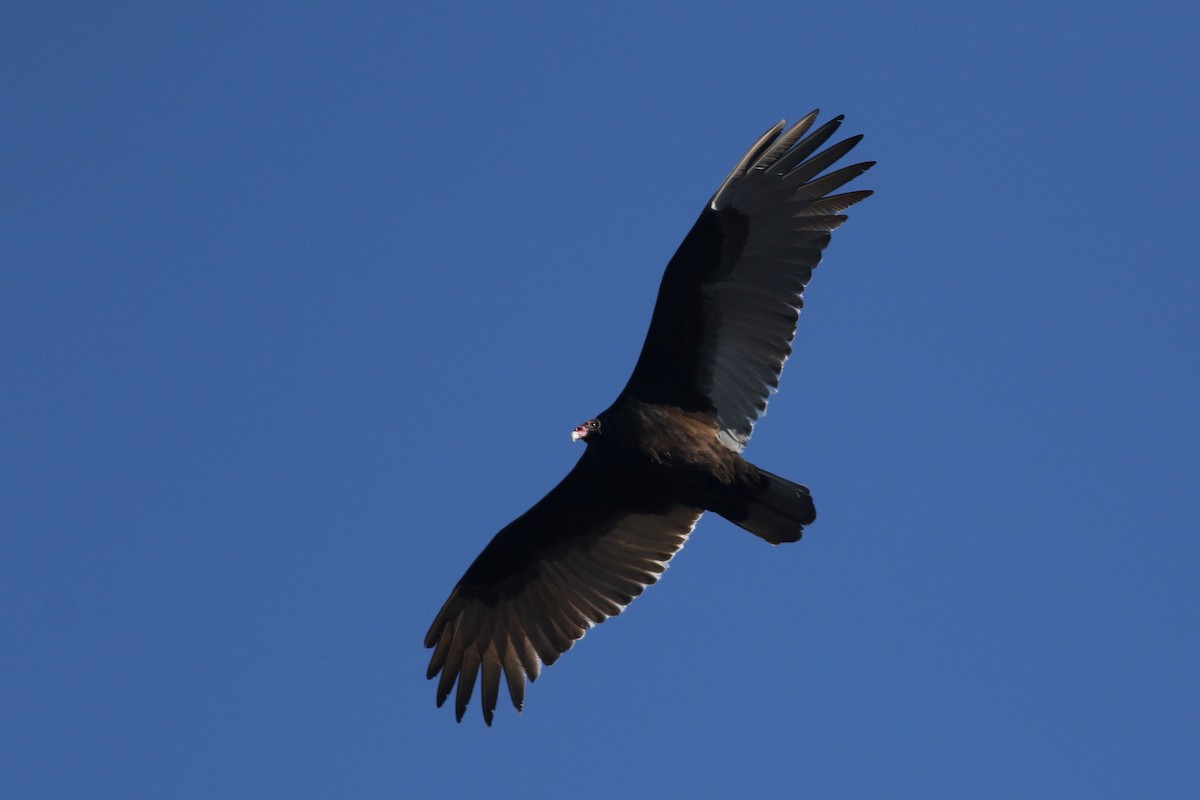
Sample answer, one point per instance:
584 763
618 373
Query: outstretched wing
578 557
731 295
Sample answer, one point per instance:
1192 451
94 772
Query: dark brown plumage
669 447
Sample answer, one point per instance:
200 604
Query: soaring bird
669 448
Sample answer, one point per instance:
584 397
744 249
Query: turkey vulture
669 448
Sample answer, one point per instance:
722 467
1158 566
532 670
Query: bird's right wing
578 557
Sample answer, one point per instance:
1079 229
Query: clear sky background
299 303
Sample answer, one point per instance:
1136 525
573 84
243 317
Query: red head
589 428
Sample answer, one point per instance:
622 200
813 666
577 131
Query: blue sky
299 304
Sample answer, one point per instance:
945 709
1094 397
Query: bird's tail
775 509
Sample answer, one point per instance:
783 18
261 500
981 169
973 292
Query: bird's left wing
578 557
730 297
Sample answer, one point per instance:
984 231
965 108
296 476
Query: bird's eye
591 424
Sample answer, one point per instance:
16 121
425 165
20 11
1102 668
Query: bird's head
589 428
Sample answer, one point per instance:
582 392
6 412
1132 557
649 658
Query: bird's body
669 447
679 454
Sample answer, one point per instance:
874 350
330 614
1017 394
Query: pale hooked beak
585 430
